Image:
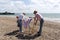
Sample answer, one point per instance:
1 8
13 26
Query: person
22 19
26 22
19 21
38 17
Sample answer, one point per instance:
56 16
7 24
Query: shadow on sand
21 36
12 33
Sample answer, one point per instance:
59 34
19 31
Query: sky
28 6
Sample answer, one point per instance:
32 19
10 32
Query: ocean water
52 15
47 16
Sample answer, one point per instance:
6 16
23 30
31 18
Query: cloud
47 6
12 6
17 6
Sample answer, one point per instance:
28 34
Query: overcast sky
18 6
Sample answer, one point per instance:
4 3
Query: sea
47 16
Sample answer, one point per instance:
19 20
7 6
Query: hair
24 13
17 17
35 12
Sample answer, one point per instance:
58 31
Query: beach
50 31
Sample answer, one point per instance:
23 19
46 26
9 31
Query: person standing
38 17
19 21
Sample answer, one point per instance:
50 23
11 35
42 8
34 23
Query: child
26 23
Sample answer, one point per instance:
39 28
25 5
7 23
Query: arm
35 20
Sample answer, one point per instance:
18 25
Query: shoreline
53 19
45 18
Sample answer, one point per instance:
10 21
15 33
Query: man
38 17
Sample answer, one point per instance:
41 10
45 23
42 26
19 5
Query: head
24 14
17 17
35 12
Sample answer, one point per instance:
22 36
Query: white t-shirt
40 15
20 17
25 18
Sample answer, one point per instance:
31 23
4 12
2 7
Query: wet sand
51 30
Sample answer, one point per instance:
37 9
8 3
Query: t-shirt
25 18
20 17
27 21
38 16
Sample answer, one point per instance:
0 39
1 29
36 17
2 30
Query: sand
51 30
